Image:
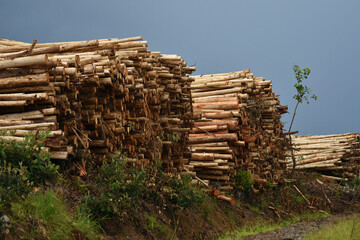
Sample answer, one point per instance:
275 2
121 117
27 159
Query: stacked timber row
334 156
99 96
237 128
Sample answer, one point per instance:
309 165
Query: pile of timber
237 127
99 96
334 156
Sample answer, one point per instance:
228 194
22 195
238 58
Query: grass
262 226
44 215
154 224
348 228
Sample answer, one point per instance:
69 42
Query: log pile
99 96
237 128
335 156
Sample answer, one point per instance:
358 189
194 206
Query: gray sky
222 36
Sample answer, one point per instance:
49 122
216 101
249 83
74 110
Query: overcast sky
222 36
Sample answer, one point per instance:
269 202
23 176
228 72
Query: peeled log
231 200
13 103
59 155
209 156
29 126
218 115
230 137
214 144
217 105
215 99
217 92
211 128
22 81
24 62
232 124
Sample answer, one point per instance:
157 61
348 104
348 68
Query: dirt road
296 231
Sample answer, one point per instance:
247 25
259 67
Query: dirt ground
214 218
297 230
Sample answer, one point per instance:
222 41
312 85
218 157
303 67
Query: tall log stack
334 156
98 95
237 128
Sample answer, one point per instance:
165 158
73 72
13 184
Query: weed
355 182
261 226
244 180
231 216
121 189
251 207
173 137
345 229
269 185
298 199
23 165
28 153
44 215
154 224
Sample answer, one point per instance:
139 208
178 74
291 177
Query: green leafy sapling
303 94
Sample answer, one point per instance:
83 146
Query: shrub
120 189
23 165
14 184
244 180
28 153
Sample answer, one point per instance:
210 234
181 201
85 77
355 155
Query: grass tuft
263 226
345 229
44 215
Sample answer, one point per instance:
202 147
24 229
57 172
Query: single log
203 164
24 62
59 155
14 103
24 133
29 126
28 80
215 99
209 128
217 92
231 200
217 115
23 96
213 138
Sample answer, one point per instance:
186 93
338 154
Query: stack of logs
335 156
237 128
99 96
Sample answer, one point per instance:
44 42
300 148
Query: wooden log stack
237 128
333 156
99 96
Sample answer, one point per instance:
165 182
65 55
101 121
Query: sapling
303 94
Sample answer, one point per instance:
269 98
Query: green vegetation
244 180
28 153
153 224
346 229
173 137
23 165
302 94
355 182
120 189
262 226
44 215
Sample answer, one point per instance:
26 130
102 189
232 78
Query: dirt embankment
213 218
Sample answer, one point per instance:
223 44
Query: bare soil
296 231
214 218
